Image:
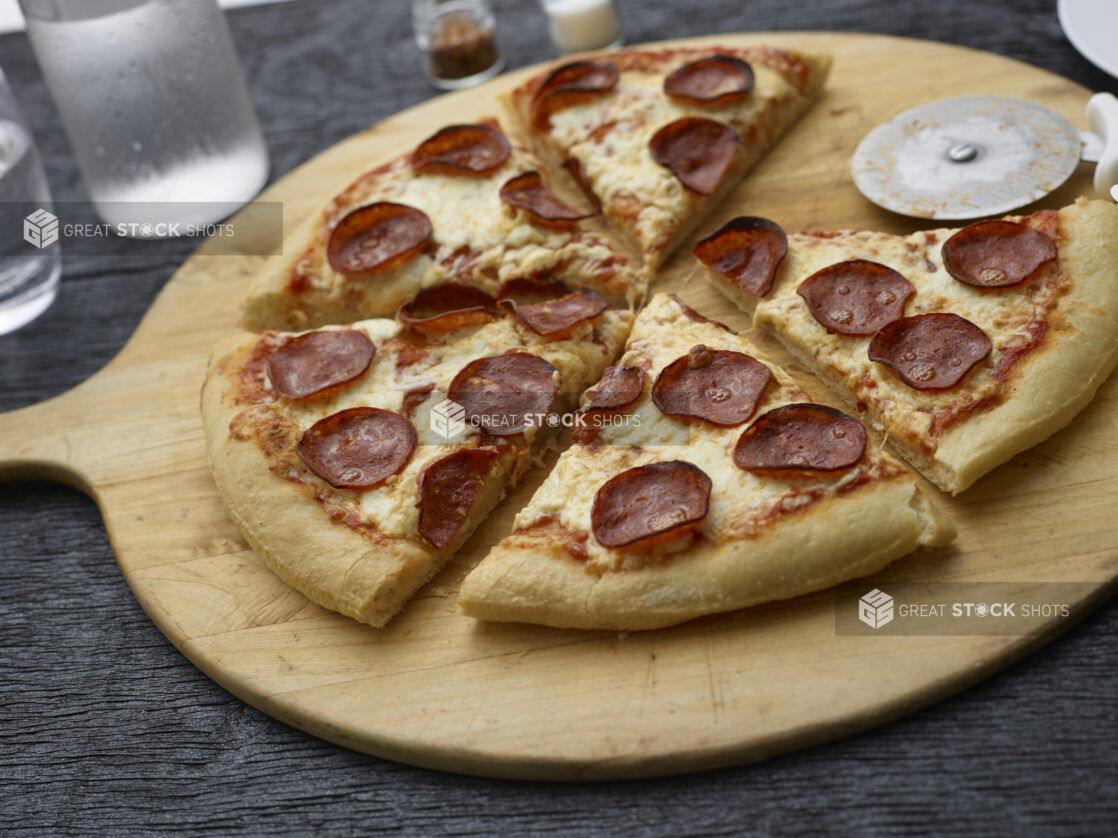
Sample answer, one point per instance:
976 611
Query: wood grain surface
127 762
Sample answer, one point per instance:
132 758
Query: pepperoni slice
527 192
572 84
714 81
448 488
524 290
377 238
717 386
801 437
470 150
997 254
856 297
319 361
556 318
745 250
358 448
930 351
650 504
446 307
501 392
619 388
697 151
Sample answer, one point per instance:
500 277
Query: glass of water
29 259
154 102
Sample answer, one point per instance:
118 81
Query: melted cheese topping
1008 316
741 502
396 370
610 136
475 234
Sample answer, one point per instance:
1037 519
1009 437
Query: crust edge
338 569
533 579
1058 389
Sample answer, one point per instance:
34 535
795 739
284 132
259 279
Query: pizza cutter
977 156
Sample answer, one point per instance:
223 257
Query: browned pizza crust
365 561
763 537
354 571
536 580
1061 376
1044 390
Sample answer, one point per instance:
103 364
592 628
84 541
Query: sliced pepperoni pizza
465 206
702 480
357 459
964 346
659 137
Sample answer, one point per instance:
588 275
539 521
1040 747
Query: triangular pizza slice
466 205
357 459
660 136
964 346
702 480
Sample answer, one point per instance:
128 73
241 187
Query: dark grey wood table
106 729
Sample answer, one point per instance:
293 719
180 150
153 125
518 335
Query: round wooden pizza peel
440 690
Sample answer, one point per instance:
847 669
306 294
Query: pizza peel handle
115 426
34 444
137 418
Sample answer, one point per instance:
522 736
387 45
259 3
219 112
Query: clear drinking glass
29 258
154 102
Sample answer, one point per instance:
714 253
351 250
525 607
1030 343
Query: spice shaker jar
457 41
578 25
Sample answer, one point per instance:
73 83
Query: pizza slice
702 480
357 459
465 205
660 136
964 346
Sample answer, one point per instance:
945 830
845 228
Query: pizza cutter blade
977 156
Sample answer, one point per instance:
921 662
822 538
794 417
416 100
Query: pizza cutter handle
1102 114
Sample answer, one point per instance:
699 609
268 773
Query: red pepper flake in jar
458 38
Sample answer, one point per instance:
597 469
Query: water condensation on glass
28 274
154 102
